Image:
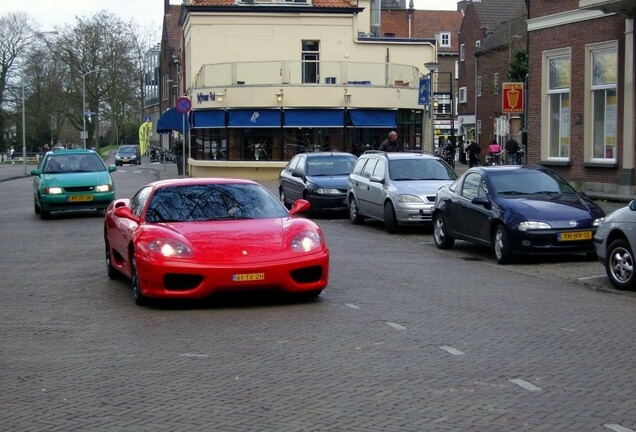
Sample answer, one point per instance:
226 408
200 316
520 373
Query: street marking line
395 326
192 355
593 277
525 384
618 428
452 350
352 306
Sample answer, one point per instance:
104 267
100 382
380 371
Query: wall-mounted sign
512 97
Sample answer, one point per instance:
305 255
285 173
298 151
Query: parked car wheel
354 211
36 207
390 221
440 234
619 264
502 248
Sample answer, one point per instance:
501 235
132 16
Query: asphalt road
405 338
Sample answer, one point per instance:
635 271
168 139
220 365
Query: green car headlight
53 190
103 188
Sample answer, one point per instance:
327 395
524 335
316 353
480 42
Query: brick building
581 91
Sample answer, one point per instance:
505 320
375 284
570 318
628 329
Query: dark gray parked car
396 188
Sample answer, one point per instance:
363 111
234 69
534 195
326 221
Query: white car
614 241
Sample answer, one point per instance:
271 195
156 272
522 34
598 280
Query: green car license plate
575 235
80 198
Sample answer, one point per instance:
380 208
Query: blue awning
314 118
208 119
374 118
255 118
172 120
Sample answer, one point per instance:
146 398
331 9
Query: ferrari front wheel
140 299
111 271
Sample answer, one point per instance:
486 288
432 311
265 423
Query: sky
148 13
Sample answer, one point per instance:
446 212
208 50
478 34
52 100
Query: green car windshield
72 163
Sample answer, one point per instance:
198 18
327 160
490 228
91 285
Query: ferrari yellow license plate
80 198
247 277
576 235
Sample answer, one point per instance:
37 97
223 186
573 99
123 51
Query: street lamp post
84 103
432 67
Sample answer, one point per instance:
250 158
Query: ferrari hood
233 239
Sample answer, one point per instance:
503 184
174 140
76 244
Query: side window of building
556 98
462 52
444 40
479 86
602 107
310 61
462 97
495 83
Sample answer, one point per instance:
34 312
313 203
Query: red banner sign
512 97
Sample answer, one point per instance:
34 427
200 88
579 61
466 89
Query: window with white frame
479 85
462 52
477 43
603 63
495 83
558 105
444 40
479 127
462 95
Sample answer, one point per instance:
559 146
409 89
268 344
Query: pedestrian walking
512 149
12 155
474 152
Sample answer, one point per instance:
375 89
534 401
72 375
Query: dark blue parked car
321 178
517 210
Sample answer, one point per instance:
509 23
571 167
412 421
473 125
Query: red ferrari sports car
189 238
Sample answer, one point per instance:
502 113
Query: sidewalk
168 171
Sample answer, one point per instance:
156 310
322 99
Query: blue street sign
424 96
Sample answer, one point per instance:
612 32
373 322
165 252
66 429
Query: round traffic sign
183 105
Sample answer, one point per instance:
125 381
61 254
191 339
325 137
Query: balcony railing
307 73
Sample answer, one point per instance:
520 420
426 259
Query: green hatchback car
72 180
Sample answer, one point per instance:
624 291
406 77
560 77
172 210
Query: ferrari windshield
189 203
528 182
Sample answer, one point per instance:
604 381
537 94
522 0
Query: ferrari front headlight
306 241
169 248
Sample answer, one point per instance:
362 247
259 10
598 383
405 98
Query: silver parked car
396 188
614 241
